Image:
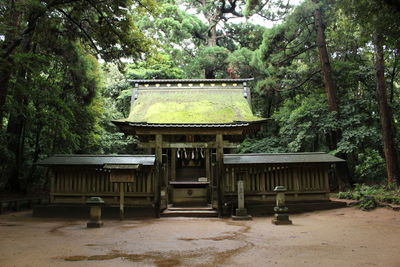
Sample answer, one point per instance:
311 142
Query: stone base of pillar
241 215
94 224
281 219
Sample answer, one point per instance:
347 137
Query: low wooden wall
76 184
303 182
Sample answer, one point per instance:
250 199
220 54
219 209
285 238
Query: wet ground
342 237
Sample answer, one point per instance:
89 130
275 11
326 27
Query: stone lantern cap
280 189
95 200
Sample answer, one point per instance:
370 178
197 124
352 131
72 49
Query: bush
371 168
371 196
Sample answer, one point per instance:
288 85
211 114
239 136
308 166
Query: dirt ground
341 237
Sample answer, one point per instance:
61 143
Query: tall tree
106 28
381 21
66 31
386 118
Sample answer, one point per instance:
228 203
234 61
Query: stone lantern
95 212
281 216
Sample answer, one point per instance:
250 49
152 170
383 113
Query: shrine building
188 131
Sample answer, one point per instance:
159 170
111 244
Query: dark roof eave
96 160
280 158
190 125
190 80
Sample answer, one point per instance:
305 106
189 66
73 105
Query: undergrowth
370 197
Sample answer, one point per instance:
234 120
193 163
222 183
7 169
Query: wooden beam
184 131
152 144
173 164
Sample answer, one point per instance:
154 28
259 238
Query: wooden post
326 176
121 201
208 164
220 176
157 184
173 164
296 182
240 194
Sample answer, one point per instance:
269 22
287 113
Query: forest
326 75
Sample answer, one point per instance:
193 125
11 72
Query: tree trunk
17 122
12 19
15 131
330 89
386 119
211 42
5 74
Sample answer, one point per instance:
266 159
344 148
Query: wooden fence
262 179
75 184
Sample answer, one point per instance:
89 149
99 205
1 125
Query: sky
255 19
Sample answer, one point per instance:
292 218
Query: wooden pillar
157 182
326 176
173 164
220 176
121 200
208 164
208 175
296 181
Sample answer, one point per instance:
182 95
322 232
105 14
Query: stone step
202 208
189 213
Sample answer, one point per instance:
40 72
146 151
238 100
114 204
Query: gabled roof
97 160
197 103
261 158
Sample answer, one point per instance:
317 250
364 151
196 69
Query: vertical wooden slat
321 178
296 182
262 179
251 179
326 176
312 183
57 180
102 181
80 181
148 181
98 188
68 188
173 165
316 170
316 178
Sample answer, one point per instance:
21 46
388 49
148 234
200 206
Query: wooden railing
96 182
263 179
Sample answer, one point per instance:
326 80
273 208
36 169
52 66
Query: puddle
57 228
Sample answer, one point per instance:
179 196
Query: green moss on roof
191 106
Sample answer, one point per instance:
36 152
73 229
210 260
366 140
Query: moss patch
178 106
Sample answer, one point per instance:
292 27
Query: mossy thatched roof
191 105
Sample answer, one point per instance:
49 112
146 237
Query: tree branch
301 84
93 44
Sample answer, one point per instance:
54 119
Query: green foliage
304 122
157 66
371 167
369 197
212 58
50 78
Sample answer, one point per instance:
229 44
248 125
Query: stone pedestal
281 217
95 212
241 211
